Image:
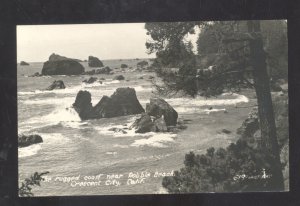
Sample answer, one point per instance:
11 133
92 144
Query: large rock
143 124
57 84
160 124
159 107
94 62
90 80
104 70
124 66
24 63
83 105
24 141
119 77
58 65
122 102
146 123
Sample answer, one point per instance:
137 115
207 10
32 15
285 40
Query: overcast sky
105 41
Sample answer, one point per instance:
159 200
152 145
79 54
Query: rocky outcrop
94 62
24 141
83 105
159 117
58 65
22 63
57 84
119 77
92 72
160 125
143 124
122 102
124 66
104 70
90 80
146 123
159 107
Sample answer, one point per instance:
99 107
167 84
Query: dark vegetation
222 61
231 56
25 190
142 64
235 167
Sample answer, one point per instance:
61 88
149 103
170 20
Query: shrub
221 170
28 183
228 170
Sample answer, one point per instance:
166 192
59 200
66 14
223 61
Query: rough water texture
73 147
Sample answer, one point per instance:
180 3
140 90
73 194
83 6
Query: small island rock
90 80
57 65
94 62
24 141
22 63
119 77
57 84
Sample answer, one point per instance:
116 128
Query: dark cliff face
62 67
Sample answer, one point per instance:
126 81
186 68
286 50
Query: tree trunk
265 108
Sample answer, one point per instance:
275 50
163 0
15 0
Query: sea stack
94 62
24 63
57 84
24 141
121 103
58 65
159 107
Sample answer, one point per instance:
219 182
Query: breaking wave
157 140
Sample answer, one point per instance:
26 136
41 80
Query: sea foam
29 151
157 140
190 105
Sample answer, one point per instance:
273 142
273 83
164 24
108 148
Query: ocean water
85 158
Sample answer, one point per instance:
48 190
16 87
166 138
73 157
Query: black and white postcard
152 108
